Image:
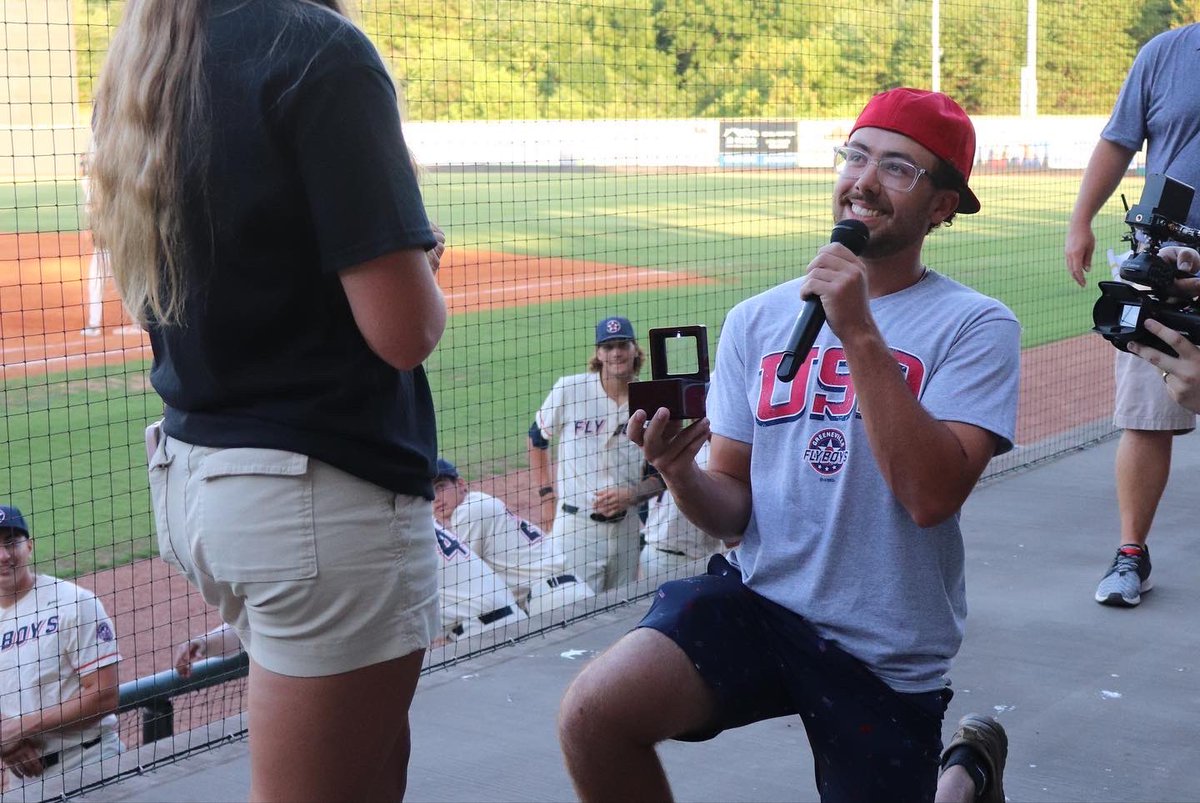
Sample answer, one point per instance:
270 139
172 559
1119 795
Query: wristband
545 490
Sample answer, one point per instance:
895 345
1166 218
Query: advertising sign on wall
757 143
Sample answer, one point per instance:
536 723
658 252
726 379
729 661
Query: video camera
1121 311
681 393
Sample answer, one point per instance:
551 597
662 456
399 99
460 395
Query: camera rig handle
1164 203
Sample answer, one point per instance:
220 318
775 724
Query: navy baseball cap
614 328
446 469
11 519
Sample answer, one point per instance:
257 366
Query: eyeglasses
12 543
895 174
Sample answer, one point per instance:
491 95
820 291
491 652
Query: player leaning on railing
58 667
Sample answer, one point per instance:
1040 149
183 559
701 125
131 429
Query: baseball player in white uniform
598 485
517 550
58 667
474 599
98 268
673 542
99 273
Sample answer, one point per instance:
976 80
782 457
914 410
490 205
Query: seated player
58 666
474 599
516 549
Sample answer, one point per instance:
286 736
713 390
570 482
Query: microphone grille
851 233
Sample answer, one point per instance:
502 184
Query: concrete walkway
1100 704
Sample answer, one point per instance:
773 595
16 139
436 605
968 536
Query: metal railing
153 693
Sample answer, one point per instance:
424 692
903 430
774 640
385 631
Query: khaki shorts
318 571
1143 402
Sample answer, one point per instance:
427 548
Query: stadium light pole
1029 71
935 80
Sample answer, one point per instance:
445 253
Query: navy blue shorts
761 660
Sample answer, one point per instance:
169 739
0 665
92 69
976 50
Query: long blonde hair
151 91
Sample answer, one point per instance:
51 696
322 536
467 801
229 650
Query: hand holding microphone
854 235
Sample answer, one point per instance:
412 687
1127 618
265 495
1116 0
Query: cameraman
1156 108
1181 374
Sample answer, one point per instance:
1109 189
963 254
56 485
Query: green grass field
73 442
41 206
74 462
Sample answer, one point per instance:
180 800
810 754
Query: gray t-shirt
1159 105
826 538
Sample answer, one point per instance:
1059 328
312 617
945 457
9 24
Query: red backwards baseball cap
934 121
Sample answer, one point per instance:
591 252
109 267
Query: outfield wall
48 145
1002 142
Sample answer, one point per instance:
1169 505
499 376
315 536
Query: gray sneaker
1127 577
986 737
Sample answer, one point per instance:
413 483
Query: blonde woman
253 187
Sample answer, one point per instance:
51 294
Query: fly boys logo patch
104 632
826 452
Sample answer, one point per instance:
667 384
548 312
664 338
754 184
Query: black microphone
854 235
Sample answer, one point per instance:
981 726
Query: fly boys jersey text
826 537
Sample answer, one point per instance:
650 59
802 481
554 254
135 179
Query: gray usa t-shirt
826 538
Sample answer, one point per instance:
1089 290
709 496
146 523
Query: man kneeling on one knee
845 600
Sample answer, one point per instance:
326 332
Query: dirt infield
42 290
1063 385
482 280
43 281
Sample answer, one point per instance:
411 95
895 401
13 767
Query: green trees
707 58
598 59
1155 16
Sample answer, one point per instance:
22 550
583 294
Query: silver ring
1165 375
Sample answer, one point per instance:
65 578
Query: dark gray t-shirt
307 174
1159 105
827 539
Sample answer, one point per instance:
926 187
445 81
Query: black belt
50 759
486 618
672 552
600 517
496 615
555 582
